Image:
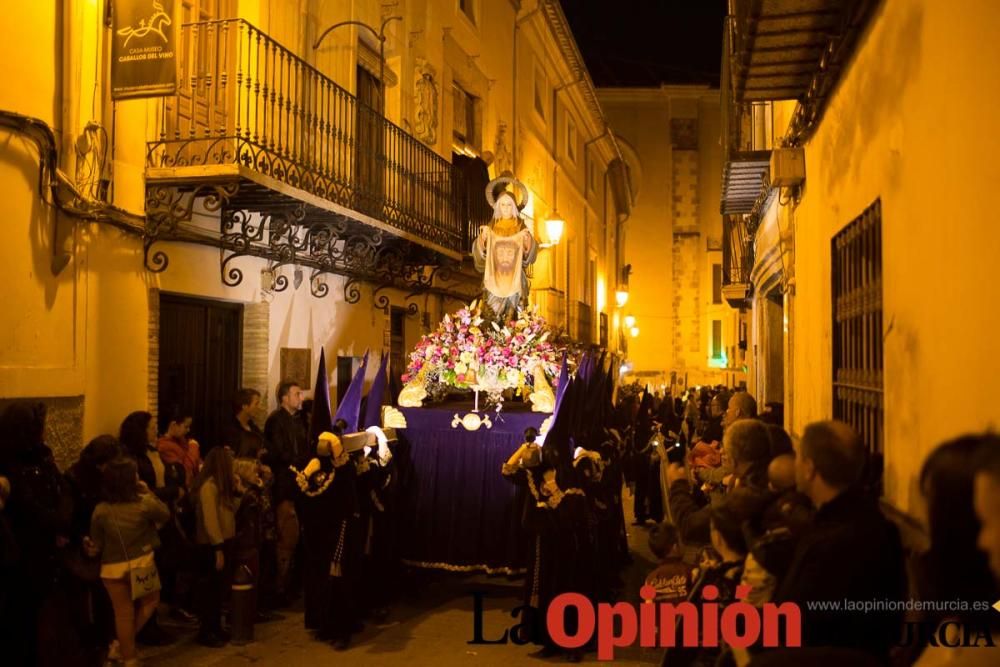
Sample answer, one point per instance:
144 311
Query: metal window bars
857 327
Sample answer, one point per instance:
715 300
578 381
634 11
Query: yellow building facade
489 80
873 299
687 336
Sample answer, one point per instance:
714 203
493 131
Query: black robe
326 519
561 551
377 499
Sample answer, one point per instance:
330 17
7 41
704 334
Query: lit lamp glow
554 228
629 321
634 331
621 297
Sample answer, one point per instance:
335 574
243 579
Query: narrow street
434 623
300 289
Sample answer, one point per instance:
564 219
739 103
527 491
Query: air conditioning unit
737 295
788 167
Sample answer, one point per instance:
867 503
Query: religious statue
504 251
501 154
425 99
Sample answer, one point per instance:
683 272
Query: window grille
857 328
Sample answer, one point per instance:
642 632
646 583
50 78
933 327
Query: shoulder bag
143 580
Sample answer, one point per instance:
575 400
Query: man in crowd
288 446
748 447
850 552
741 405
242 434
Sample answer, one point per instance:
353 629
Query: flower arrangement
468 353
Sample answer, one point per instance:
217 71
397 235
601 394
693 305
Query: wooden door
368 146
200 361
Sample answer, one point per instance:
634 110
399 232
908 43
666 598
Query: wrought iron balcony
300 170
737 258
748 137
791 50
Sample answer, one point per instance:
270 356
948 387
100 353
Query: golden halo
491 191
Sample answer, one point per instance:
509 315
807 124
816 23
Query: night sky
649 42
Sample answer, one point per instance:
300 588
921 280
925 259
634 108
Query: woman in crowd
84 480
249 528
215 492
166 480
138 439
124 531
175 446
954 568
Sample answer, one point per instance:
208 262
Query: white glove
384 455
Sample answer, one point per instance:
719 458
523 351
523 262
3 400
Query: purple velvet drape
458 512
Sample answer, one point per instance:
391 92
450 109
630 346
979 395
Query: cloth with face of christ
509 248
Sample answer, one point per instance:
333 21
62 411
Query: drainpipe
68 122
72 19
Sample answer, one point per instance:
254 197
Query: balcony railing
245 100
737 258
791 50
747 131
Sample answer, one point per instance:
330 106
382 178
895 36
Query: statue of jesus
504 251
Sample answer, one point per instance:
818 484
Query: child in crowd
672 577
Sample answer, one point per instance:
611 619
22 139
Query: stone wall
686 248
153 382
256 324
63 425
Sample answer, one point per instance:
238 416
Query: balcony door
368 145
200 107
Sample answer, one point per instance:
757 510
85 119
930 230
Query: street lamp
621 297
555 224
554 229
380 36
629 321
634 331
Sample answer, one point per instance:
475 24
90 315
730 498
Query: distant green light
718 362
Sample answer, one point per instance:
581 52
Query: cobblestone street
431 626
